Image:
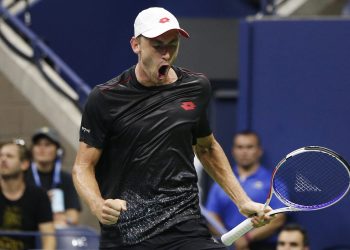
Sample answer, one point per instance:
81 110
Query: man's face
44 151
156 55
290 240
246 150
10 162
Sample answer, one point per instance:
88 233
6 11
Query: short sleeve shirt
146 136
24 214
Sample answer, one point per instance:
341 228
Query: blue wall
93 36
295 86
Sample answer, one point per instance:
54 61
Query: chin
247 166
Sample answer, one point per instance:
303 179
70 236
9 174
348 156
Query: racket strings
311 180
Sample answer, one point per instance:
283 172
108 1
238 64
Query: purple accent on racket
309 178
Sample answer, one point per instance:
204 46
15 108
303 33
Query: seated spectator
292 237
22 207
255 180
46 172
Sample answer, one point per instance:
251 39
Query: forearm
86 185
218 167
48 241
72 216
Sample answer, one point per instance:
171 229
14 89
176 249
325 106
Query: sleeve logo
85 130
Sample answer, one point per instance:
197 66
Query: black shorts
188 235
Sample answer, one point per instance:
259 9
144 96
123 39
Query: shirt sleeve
44 212
202 128
95 120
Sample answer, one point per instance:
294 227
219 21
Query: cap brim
155 33
39 136
184 33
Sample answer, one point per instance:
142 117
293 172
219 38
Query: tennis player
139 132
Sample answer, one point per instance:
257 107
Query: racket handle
237 232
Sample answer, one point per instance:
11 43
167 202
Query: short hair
297 227
248 132
23 152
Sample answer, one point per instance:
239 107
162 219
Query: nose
165 54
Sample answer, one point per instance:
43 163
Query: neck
45 167
245 172
12 188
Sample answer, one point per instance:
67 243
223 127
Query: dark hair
297 227
24 153
248 132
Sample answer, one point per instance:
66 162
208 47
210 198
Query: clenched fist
109 211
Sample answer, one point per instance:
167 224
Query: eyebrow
162 42
293 243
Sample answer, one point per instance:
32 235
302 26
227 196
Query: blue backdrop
295 86
92 37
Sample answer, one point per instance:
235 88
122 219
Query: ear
25 165
135 45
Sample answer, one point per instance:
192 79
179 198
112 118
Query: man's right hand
109 211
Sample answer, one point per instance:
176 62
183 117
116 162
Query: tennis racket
309 178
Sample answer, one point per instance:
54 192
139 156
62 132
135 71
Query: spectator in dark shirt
22 207
46 172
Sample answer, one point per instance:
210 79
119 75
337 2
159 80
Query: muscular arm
84 176
48 242
215 163
107 211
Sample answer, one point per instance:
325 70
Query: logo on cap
164 20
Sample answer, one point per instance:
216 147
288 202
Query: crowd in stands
36 194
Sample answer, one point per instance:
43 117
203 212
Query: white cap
153 22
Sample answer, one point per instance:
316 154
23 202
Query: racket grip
237 232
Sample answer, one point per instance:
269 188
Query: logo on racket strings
303 184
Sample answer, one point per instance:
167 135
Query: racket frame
245 226
291 207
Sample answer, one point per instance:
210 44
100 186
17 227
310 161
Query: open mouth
163 70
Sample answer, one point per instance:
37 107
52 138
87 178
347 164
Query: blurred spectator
292 237
22 207
255 180
46 172
346 9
